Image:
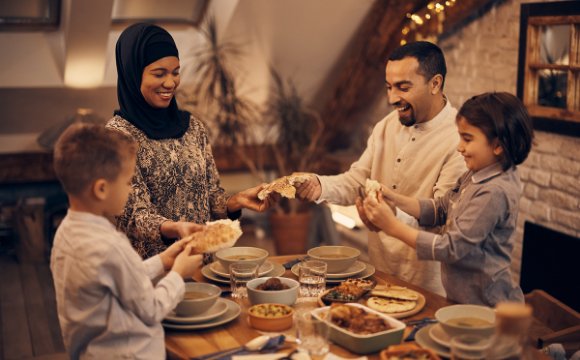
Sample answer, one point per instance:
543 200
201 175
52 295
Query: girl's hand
169 255
379 212
363 216
186 263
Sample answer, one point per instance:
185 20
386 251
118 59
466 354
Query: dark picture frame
560 121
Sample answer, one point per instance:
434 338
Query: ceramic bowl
286 297
456 311
270 323
335 265
225 256
364 344
193 307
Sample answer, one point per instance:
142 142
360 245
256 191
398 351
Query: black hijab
139 46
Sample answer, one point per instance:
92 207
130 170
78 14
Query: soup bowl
337 258
456 320
232 255
285 297
196 306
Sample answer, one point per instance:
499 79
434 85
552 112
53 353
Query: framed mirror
549 65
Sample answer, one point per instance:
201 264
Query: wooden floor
28 317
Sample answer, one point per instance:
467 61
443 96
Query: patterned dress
175 179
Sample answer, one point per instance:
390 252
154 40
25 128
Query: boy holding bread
110 303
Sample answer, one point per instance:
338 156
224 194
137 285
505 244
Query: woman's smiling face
159 82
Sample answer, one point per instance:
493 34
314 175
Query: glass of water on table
240 274
312 277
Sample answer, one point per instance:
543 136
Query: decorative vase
290 232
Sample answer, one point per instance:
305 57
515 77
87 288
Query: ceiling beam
87 25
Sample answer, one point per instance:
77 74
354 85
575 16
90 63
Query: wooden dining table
186 344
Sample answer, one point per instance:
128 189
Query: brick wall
482 57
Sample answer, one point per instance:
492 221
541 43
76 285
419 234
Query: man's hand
379 213
363 216
249 199
169 255
309 190
186 263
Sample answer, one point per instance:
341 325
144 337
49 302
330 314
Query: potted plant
296 130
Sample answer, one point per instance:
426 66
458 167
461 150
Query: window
549 65
29 15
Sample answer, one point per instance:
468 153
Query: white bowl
193 307
335 265
285 297
223 255
456 311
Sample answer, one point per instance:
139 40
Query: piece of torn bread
373 188
216 236
284 186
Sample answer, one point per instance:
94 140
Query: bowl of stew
226 257
337 258
197 299
466 319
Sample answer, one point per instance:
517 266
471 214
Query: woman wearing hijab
176 185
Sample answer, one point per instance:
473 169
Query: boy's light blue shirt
108 305
479 217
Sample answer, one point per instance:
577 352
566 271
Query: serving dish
328 300
398 350
224 255
270 323
335 265
367 272
364 344
286 297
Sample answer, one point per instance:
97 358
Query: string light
447 3
409 15
405 31
430 6
403 42
417 20
427 16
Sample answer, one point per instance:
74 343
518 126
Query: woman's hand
186 263
181 229
169 255
249 199
379 213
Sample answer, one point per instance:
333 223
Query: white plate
423 338
206 271
368 271
358 267
439 335
217 268
231 313
216 310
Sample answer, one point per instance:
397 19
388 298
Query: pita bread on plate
284 186
401 294
390 305
217 235
372 188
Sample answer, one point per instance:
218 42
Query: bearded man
412 151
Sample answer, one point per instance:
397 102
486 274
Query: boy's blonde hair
85 153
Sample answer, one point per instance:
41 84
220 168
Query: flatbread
390 305
217 235
372 188
401 294
284 186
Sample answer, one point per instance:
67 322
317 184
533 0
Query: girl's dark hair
503 116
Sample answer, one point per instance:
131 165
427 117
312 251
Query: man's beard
408 121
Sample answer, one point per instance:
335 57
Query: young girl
479 214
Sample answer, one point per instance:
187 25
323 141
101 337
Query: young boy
107 304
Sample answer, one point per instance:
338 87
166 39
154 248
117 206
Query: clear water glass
312 277
311 333
240 274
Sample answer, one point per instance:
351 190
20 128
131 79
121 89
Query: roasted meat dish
357 320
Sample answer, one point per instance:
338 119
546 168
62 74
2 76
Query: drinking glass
311 333
312 277
468 347
240 274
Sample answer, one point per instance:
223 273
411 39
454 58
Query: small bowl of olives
271 317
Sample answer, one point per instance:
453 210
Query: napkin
271 344
418 325
289 264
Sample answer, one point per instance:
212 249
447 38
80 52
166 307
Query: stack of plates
223 311
433 337
359 270
216 272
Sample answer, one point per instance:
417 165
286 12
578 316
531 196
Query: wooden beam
363 75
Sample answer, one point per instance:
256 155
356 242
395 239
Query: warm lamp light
343 220
84 73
